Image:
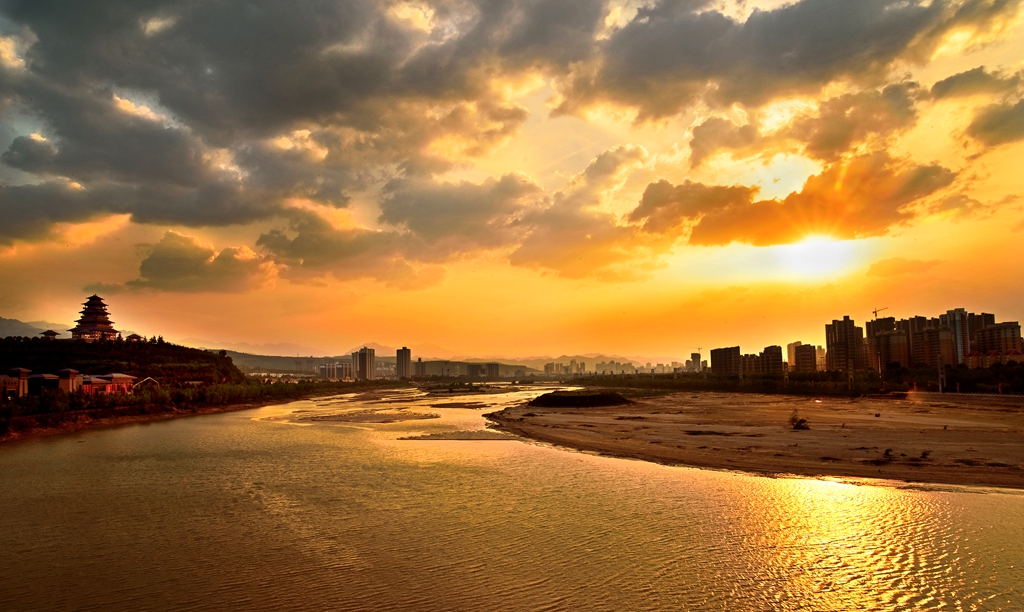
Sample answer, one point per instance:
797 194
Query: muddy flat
953 441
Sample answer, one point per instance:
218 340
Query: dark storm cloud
846 120
435 222
96 141
664 206
715 134
866 196
838 126
975 81
369 92
998 124
254 105
29 211
264 67
312 248
670 55
183 263
461 216
317 244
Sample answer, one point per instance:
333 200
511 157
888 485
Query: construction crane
878 310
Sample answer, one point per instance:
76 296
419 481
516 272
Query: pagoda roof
94 317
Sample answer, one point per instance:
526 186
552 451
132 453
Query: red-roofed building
118 384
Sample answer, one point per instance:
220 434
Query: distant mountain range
426 351
14 327
275 349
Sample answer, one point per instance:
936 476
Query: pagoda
95 323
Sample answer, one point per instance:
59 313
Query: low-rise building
15 383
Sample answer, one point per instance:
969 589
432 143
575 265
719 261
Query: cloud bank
276 115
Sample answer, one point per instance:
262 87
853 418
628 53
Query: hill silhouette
166 362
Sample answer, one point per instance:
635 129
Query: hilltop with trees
168 363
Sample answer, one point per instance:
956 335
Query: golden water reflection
239 511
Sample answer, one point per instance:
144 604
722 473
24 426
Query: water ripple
233 512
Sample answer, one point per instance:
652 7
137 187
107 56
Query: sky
510 177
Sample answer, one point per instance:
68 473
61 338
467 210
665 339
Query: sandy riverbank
973 441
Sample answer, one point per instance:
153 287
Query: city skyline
511 304
960 325
504 179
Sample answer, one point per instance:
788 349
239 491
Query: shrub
798 422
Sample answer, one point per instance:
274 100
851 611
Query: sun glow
817 256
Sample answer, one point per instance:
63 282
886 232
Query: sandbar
370 416
936 439
468 434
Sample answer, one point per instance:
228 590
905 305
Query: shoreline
85 422
917 440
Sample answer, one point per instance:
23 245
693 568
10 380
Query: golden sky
512 178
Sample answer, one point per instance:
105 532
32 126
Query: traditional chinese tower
95 323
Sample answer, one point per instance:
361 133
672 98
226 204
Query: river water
262 510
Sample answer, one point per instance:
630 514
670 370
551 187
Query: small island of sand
370 416
941 439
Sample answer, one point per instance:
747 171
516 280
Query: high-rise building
750 364
474 370
976 323
934 346
885 324
911 326
805 358
771 360
695 362
958 323
822 356
364 364
493 370
844 343
726 361
419 368
1000 337
95 323
403 363
888 347
791 354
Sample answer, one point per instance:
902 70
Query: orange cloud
866 196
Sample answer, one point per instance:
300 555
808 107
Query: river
265 510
